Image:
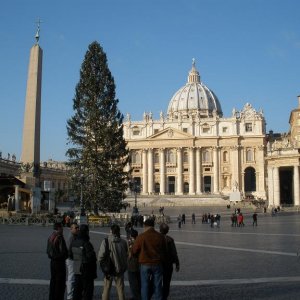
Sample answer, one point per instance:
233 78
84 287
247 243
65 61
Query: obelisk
32 117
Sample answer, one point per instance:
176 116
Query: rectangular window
184 129
248 127
136 132
155 131
205 129
225 129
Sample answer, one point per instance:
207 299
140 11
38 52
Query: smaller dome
195 97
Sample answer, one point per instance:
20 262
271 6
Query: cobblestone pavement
216 263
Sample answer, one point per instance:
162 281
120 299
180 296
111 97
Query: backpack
106 263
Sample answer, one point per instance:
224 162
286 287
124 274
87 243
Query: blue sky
245 51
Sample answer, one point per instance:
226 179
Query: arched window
206 156
249 155
136 158
185 157
156 158
225 156
170 157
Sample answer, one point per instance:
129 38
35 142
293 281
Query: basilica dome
194 98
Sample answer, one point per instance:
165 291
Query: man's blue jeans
151 280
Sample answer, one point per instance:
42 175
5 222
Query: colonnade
274 186
176 169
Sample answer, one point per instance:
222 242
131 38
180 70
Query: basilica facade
193 149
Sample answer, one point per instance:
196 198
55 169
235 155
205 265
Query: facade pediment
170 133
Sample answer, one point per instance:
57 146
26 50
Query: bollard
27 221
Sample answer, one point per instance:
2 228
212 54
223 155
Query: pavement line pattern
236 233
294 254
238 249
173 283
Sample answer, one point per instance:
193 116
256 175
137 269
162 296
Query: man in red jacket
151 249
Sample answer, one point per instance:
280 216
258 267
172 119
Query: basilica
194 150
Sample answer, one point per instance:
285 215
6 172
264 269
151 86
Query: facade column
276 183
216 170
235 161
260 186
145 172
17 198
192 171
296 186
179 172
162 165
150 171
198 172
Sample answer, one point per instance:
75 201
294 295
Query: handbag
106 263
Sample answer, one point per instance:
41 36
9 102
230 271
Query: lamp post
82 217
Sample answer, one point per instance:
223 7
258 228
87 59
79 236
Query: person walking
58 253
118 250
183 219
179 220
254 217
171 258
69 262
133 269
150 246
85 264
193 218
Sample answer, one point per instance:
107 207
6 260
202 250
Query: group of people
212 219
147 257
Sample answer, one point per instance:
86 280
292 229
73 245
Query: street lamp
134 185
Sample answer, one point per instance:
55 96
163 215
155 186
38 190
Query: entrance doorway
286 186
207 184
171 184
250 180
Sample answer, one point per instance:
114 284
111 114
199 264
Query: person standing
58 253
69 262
150 246
85 264
118 250
171 258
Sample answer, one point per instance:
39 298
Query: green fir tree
98 153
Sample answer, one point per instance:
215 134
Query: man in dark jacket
171 258
58 253
85 264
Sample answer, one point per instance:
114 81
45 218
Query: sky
245 51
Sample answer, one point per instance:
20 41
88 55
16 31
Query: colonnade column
179 171
17 198
198 172
192 171
162 171
150 171
145 172
216 171
270 187
276 185
296 186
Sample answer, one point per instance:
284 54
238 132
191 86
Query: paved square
216 263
